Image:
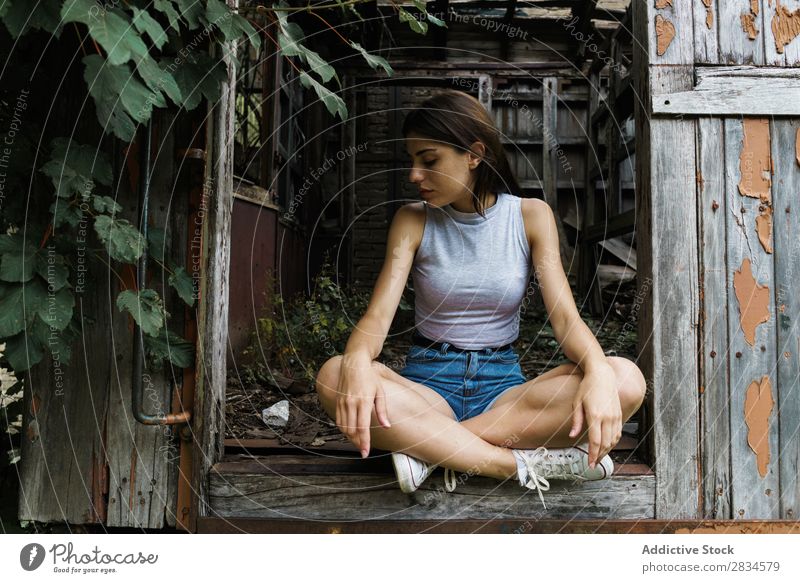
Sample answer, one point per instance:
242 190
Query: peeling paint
700 180
757 408
665 32
749 25
785 26
755 159
753 301
764 227
663 3
754 7
709 13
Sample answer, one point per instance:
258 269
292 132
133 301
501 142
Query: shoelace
450 482
561 467
535 481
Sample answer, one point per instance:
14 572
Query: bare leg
423 425
539 412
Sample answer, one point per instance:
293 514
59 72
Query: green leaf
119 97
191 11
156 242
200 76
373 61
146 24
437 21
158 80
105 204
10 243
332 101
170 346
416 25
122 240
18 266
146 308
57 342
53 269
23 351
183 284
74 168
56 311
166 8
12 315
110 27
231 25
22 16
63 212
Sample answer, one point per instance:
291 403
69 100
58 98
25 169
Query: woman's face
441 173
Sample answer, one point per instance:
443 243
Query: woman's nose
415 175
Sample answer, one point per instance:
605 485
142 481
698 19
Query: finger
364 423
381 409
595 435
577 419
352 422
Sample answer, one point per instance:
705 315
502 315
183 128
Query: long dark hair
457 119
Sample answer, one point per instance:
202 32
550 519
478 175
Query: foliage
139 55
8 381
296 335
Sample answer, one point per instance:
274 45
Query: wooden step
344 487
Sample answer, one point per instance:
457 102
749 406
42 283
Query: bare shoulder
537 216
408 224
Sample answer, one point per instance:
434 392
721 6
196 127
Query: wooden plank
706 43
668 285
753 496
734 91
550 149
208 418
669 32
735 45
506 526
621 250
786 185
372 496
712 211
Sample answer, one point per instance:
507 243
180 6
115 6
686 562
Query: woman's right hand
359 391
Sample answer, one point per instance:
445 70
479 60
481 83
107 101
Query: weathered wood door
719 231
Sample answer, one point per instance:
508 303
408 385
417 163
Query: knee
327 380
631 384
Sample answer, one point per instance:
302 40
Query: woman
461 401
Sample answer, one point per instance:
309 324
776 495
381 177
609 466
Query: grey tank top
470 274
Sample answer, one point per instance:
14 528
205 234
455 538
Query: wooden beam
733 90
498 526
208 421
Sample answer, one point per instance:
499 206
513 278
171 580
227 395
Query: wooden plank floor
269 481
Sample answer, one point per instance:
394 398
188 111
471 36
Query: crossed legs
537 412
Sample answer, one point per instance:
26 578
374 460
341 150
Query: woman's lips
424 193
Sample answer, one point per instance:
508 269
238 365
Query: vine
137 55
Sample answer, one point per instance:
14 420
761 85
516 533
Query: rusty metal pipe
137 378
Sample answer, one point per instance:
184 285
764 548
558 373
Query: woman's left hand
597 403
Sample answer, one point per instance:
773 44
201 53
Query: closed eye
430 162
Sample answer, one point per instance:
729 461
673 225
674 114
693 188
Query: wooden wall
718 236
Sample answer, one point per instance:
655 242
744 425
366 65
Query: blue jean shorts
469 380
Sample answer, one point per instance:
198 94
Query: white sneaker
534 466
411 472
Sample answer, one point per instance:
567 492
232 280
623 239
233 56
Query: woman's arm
359 389
403 239
597 399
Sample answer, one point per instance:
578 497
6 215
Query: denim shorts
469 380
